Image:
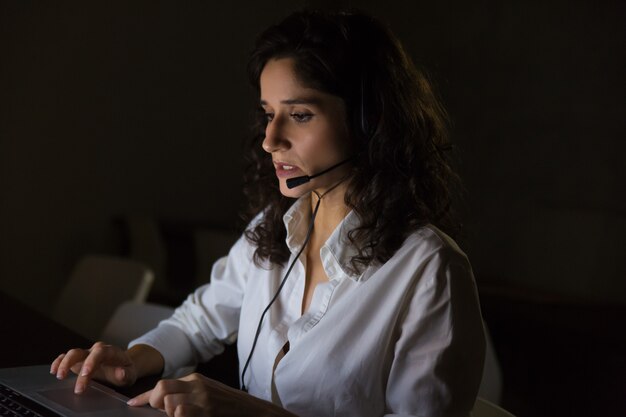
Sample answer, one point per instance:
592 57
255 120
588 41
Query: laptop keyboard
13 404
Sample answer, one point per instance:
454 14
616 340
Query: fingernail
79 388
59 375
131 402
84 371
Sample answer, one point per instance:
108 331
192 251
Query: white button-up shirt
404 338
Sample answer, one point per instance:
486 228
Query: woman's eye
269 117
301 117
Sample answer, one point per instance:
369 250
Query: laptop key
12 403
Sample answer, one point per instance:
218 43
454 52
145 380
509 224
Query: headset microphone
297 181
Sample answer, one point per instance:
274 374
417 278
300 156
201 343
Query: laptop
57 398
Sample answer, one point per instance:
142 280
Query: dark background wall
139 108
111 110
115 108
534 89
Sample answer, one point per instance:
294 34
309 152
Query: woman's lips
285 170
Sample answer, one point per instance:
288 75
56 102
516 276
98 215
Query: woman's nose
275 139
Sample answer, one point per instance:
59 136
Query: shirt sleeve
207 319
439 354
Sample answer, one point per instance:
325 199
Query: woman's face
306 129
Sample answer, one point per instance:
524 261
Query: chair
132 319
491 384
484 408
97 286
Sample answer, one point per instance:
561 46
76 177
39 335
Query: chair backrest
484 408
97 286
131 320
491 383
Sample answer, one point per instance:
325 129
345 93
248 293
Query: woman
344 295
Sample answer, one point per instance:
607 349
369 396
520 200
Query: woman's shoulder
431 243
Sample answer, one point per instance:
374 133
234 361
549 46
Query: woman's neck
331 212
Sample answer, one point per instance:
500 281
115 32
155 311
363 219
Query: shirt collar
337 252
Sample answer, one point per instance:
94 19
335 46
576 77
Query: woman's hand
107 363
197 395
103 362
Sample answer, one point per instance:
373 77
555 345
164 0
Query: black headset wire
280 287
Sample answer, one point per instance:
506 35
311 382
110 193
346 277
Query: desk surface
29 337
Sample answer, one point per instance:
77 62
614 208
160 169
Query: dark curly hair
401 178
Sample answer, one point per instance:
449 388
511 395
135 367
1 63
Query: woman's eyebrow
302 100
